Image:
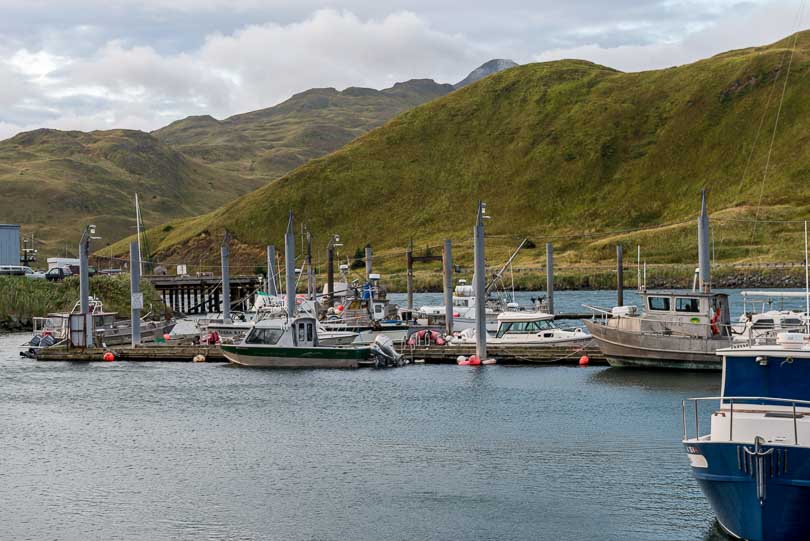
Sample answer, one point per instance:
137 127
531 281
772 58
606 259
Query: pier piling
289 266
226 279
479 279
550 277
271 271
447 256
619 275
409 257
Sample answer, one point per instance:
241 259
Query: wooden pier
151 353
203 295
508 354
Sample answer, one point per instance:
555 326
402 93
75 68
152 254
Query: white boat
463 310
527 329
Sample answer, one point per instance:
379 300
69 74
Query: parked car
20 270
58 274
32 274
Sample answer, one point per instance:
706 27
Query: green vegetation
22 299
55 182
564 151
271 142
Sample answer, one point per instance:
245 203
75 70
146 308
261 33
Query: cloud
143 63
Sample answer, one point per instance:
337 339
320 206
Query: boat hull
149 332
296 357
634 350
774 510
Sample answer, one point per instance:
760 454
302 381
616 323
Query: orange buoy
584 360
108 357
167 337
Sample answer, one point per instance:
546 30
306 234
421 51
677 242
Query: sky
141 64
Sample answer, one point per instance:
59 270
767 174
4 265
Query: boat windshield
524 327
781 375
264 336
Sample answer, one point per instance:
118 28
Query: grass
569 152
22 299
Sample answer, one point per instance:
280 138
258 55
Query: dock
152 353
433 354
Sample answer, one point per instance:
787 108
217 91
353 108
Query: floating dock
508 354
152 353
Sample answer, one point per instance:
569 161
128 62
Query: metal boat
109 331
283 343
527 329
676 330
754 464
464 310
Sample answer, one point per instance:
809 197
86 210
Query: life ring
715 317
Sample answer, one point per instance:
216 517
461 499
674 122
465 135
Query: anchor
754 464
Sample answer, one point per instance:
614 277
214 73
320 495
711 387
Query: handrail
786 401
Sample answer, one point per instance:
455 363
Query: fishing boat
283 343
109 330
527 329
463 310
754 464
675 329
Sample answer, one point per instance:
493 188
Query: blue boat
754 465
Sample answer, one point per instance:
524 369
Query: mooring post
703 246
550 277
136 298
448 286
271 289
409 257
619 275
368 261
84 284
289 267
330 271
479 279
226 279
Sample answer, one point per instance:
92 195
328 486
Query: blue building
9 244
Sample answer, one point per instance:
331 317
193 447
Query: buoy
584 360
167 337
473 360
339 307
108 357
199 358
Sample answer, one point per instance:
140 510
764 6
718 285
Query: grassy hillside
271 142
54 182
566 151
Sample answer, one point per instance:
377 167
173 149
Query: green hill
271 142
565 151
55 181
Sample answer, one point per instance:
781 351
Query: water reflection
676 381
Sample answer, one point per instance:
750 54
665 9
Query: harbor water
208 451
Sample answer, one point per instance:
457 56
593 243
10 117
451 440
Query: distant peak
485 70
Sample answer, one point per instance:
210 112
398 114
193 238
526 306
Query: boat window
503 329
264 336
545 325
686 304
659 303
301 332
763 324
310 337
378 308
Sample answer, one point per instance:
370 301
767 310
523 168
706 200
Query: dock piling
619 275
271 271
448 285
479 280
409 257
135 291
368 261
226 279
550 277
289 265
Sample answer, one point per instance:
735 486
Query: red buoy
167 337
584 360
108 357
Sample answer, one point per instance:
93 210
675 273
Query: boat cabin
679 313
301 332
524 323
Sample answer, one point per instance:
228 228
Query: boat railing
731 400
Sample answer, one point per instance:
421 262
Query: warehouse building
9 244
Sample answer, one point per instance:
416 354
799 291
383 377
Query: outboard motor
385 353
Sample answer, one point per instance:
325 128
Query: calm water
190 451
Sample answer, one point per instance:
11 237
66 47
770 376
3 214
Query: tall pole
448 286
550 277
480 281
289 267
226 278
135 291
311 293
84 287
409 258
703 246
330 271
272 275
138 228
368 261
806 280
638 267
619 275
